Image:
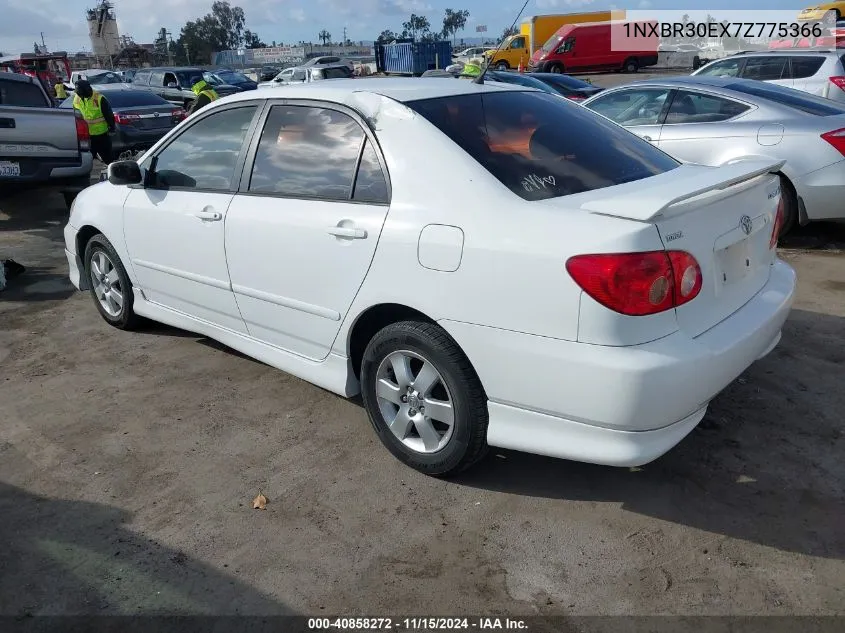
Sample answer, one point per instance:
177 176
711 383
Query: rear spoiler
648 203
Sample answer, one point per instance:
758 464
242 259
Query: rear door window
803 67
692 107
794 99
141 78
766 68
724 68
637 106
157 78
540 146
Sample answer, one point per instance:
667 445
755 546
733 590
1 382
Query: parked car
473 51
817 12
174 84
679 56
553 83
141 118
307 74
40 145
559 259
589 47
230 78
817 72
328 60
715 121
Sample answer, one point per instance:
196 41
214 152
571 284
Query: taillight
83 134
576 97
778 224
126 119
178 114
837 139
839 82
638 284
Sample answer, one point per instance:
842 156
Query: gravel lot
128 463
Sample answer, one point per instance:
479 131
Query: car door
701 127
640 110
174 224
303 228
804 71
770 68
731 67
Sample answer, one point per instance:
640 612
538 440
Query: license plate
8 168
735 262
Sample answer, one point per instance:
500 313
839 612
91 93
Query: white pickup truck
40 145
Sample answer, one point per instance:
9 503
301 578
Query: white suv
817 72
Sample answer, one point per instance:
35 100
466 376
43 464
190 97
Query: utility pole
43 44
344 37
168 41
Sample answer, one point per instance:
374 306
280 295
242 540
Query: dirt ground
128 463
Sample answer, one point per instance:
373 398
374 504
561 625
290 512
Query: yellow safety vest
92 113
61 91
212 96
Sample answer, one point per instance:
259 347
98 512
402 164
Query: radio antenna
480 79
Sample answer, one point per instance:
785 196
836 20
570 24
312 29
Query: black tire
468 442
69 197
790 206
696 62
556 68
631 65
125 319
502 66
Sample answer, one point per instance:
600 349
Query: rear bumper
137 139
618 406
67 177
74 261
823 191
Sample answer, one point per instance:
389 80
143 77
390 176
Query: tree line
418 28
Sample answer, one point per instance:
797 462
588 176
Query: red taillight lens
83 135
837 139
839 82
576 97
126 119
778 224
178 114
638 284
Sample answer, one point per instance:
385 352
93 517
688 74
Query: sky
64 27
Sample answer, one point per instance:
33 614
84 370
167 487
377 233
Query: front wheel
556 68
424 398
502 66
631 65
110 285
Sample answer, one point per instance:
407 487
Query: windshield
188 79
541 146
338 72
552 43
105 78
232 78
790 98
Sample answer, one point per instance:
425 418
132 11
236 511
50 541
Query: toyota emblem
746 224
156 114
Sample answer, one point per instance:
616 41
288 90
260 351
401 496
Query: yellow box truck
534 31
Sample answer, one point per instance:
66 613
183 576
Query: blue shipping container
414 58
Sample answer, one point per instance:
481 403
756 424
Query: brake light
773 241
837 139
178 114
839 82
576 97
83 134
126 119
638 284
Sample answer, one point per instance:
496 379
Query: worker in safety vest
61 91
205 95
471 70
97 112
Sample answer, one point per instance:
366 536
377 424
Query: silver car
305 74
714 121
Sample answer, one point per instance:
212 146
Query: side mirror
278 80
125 172
172 84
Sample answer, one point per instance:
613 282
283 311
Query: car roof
24 79
690 80
399 89
784 51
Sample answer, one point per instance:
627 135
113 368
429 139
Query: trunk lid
150 117
722 216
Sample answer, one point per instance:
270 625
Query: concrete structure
102 29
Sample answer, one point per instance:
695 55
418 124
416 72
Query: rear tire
790 206
556 68
111 287
69 197
432 373
631 65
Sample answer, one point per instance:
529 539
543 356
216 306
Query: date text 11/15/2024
415 624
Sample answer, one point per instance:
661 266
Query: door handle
347 232
207 214
646 138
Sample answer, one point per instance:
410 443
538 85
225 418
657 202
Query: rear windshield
128 98
565 80
19 93
540 146
790 98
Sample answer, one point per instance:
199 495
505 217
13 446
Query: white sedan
487 265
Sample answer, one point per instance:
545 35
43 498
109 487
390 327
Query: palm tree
325 37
